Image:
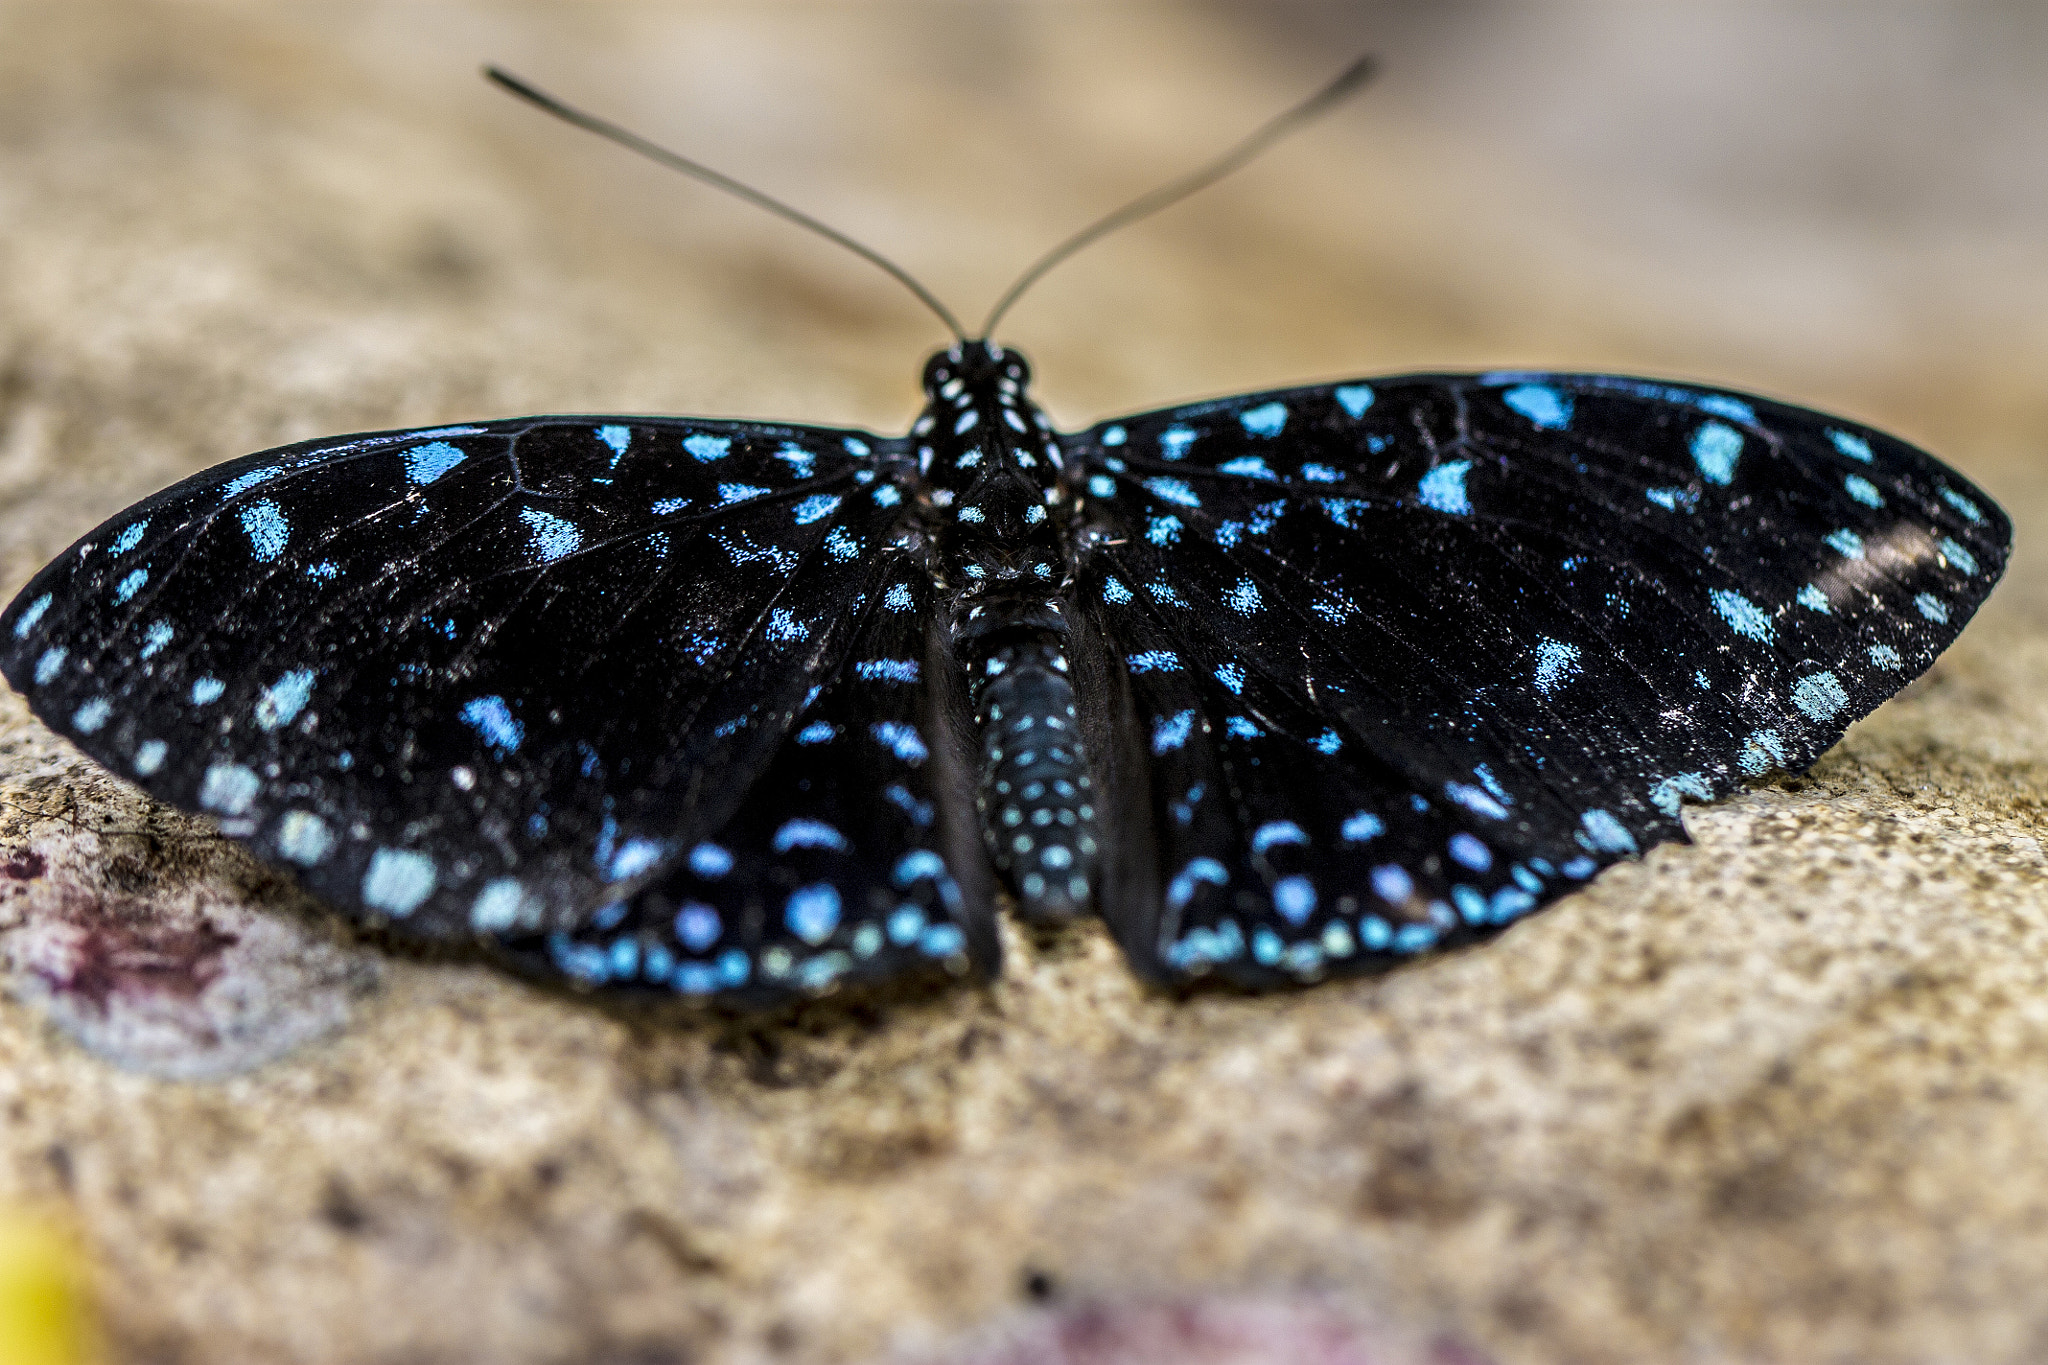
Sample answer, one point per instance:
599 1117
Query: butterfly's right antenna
634 142
1348 81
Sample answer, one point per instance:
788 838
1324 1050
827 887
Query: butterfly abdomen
1035 795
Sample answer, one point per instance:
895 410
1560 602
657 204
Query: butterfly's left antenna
634 142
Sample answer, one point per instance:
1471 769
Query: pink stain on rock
101 949
21 864
187 984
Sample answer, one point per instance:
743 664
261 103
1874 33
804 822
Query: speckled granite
1776 1096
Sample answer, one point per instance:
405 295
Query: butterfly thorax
997 513
992 494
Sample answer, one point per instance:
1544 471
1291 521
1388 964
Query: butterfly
1283 686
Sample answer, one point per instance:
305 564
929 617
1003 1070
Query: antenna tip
505 80
1363 69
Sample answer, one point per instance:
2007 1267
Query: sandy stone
1773 1096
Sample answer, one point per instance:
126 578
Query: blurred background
228 224
292 218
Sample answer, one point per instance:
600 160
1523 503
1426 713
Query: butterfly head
974 367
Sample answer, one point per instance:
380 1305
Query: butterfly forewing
1504 624
479 678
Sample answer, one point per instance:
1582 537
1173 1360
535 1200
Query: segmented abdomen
1035 795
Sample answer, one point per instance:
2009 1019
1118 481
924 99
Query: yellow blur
44 1318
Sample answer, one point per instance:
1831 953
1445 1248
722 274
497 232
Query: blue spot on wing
398 881
1354 399
1820 695
243 483
1545 407
901 740
1362 826
282 701
1443 488
1743 616
552 536
1721 405
1248 466
1851 445
815 508
1962 504
424 464
632 858
1267 419
1174 491
1171 732
26 622
1600 831
267 529
491 718
1556 663
806 833
1715 449
812 912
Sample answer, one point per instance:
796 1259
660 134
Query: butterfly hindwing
1535 611
854 859
1283 850
484 678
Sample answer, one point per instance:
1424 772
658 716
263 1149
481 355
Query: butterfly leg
1036 797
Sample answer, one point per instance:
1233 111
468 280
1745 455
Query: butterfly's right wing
1388 664
490 679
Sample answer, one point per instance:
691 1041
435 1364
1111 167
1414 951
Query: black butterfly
1284 686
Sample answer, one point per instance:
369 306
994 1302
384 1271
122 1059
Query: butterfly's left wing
1386 664
526 679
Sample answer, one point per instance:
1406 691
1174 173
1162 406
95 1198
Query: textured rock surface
1774 1096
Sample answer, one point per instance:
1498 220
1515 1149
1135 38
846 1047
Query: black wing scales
1505 623
478 679
854 858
